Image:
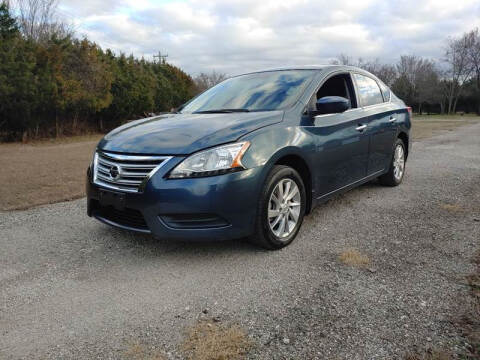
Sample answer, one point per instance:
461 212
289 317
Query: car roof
308 67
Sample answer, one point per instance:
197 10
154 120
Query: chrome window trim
374 105
354 109
331 114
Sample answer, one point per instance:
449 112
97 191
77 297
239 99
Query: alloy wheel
284 208
398 162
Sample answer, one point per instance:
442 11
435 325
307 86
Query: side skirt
321 199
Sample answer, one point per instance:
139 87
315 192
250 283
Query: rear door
381 121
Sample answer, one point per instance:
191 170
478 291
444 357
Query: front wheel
281 208
395 174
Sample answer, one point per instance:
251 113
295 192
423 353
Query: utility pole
161 58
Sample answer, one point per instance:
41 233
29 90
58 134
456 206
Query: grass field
45 171
426 126
50 171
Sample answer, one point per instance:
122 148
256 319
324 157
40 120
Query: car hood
182 134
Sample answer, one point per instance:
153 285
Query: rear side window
368 90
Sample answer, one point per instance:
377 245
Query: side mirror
331 105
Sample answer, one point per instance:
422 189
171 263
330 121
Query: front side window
338 85
368 90
271 90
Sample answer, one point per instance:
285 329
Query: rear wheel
396 172
281 208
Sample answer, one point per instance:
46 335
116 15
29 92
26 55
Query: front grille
128 173
127 217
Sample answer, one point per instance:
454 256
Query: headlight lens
215 161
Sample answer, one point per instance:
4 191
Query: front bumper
210 208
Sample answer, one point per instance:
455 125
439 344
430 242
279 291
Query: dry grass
354 258
452 207
45 171
426 126
211 341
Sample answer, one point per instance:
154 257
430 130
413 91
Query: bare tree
39 20
474 59
205 81
459 67
410 67
429 89
418 81
343 59
384 72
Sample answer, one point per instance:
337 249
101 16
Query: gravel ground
71 287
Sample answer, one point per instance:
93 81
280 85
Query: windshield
271 90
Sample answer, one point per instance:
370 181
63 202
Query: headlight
215 161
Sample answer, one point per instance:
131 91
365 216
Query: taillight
409 111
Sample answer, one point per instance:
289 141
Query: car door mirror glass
331 105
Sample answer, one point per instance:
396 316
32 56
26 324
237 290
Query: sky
235 36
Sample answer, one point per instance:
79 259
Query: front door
342 142
342 150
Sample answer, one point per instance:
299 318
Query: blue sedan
250 157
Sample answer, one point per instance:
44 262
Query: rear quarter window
385 92
368 90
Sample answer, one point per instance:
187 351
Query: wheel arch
404 137
297 162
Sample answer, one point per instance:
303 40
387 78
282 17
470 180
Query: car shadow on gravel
125 239
148 244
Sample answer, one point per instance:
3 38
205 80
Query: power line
161 58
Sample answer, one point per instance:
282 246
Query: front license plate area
110 198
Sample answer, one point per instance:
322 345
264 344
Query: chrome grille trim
134 171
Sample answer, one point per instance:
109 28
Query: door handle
392 119
361 127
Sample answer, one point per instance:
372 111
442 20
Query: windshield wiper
220 111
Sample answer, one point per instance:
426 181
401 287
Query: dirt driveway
72 288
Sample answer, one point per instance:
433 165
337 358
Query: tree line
52 83
446 86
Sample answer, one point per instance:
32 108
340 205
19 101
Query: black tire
389 179
264 236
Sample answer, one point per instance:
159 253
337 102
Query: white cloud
241 35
